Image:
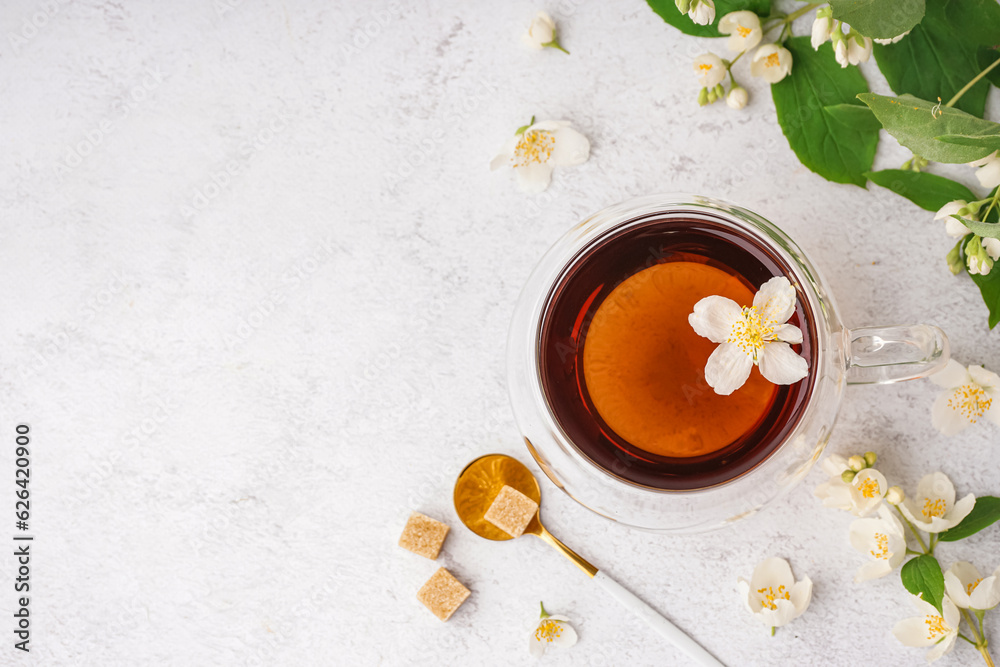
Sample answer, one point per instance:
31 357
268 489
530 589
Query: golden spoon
481 481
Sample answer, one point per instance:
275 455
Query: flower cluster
770 61
849 46
893 526
980 252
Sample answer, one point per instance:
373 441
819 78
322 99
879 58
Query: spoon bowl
481 481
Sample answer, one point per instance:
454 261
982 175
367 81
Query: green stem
966 87
961 636
914 531
993 202
555 45
802 11
972 626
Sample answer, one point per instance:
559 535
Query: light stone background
239 388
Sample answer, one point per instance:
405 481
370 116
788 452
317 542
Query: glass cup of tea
607 376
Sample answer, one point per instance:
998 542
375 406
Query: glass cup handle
879 355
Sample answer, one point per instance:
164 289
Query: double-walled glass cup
869 355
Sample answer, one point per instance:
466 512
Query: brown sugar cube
423 535
442 594
511 511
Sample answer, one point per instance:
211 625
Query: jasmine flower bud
894 495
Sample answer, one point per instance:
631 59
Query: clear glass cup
845 356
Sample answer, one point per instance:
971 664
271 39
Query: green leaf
986 56
927 191
936 60
983 515
990 142
668 12
922 576
837 152
912 122
879 19
853 116
975 21
989 287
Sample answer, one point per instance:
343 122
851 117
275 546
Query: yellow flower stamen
935 626
882 544
971 587
705 67
770 596
971 400
751 331
548 631
742 30
772 60
533 147
933 508
869 488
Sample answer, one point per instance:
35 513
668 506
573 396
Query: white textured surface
234 411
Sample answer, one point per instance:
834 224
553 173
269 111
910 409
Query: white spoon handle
653 619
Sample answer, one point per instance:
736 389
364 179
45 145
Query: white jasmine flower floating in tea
537 148
542 34
931 628
748 337
772 594
552 632
970 394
